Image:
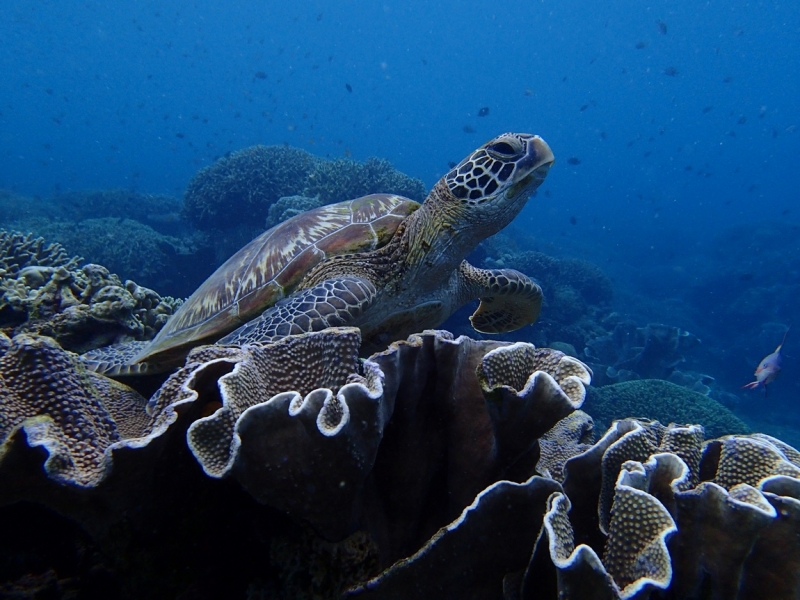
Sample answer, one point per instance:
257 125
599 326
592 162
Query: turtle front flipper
334 302
509 299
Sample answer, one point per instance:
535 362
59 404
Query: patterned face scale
493 167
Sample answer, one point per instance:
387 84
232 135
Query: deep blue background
684 117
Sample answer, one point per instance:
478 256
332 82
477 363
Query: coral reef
632 352
132 249
344 179
577 294
19 250
290 206
240 188
439 467
80 308
158 211
79 418
662 401
243 187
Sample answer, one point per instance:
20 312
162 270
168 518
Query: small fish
671 71
641 45
573 219
662 27
349 87
483 112
468 129
574 160
768 368
707 109
260 75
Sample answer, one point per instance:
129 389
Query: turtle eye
503 150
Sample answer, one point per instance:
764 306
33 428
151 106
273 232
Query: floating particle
483 111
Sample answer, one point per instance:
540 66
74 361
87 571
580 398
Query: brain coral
661 400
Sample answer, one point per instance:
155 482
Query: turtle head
491 185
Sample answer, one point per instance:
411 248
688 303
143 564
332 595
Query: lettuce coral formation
463 468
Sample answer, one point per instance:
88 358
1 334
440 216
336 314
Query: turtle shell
272 266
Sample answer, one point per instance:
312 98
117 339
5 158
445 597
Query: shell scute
271 266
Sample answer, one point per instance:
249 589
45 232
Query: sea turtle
383 263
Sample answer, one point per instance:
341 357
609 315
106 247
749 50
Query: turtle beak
540 158
533 167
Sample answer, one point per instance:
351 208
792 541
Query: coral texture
55 403
577 294
240 187
663 401
18 251
80 308
461 468
243 187
344 179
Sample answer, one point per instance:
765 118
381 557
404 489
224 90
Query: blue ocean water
674 124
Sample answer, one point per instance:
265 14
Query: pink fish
768 368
